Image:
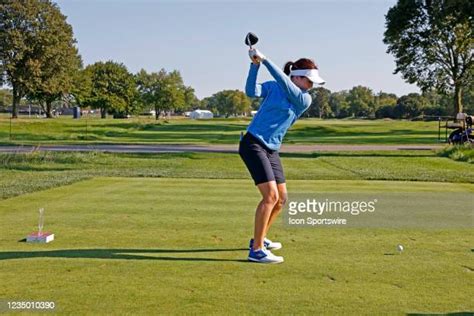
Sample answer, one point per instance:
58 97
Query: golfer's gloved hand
256 56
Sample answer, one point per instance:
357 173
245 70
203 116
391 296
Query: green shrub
459 153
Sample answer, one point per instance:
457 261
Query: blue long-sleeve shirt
283 103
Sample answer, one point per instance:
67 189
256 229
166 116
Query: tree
5 98
409 106
113 88
312 110
361 101
163 91
438 104
240 103
82 87
385 104
149 89
468 98
53 86
206 103
384 98
37 51
320 105
432 41
228 102
190 99
221 102
173 92
339 104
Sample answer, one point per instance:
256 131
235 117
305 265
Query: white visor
311 74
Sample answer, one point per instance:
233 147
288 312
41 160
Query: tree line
430 40
146 91
112 89
361 101
39 60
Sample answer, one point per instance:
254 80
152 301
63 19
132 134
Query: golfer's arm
295 95
252 88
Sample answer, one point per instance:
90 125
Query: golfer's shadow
123 254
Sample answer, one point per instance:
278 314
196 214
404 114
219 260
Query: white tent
201 114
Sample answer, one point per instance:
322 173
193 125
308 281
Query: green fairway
216 131
147 246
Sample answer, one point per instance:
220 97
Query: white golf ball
400 248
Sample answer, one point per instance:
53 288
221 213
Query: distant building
201 114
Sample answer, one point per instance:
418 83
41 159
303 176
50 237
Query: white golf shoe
263 256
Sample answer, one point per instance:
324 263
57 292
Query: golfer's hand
256 56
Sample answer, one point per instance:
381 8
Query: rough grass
216 131
459 153
29 172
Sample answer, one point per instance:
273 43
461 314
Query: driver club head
251 39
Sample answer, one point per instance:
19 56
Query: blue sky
204 39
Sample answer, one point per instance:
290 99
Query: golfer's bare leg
282 197
269 191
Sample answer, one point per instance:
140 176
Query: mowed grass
216 131
178 246
167 234
29 172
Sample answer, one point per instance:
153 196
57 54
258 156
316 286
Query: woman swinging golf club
284 100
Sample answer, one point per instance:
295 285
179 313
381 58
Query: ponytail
287 68
302 63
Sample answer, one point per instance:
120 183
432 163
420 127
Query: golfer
284 100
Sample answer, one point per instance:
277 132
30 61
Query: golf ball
400 248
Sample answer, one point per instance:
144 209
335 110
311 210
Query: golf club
251 39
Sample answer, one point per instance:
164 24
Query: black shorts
263 163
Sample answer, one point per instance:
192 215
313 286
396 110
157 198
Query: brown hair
302 63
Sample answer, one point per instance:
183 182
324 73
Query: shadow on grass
173 127
16 136
358 130
163 136
167 156
123 254
358 154
38 169
357 135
